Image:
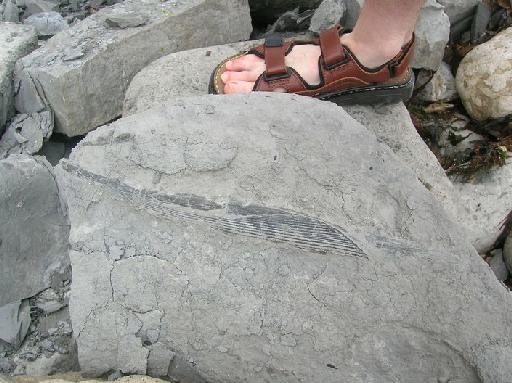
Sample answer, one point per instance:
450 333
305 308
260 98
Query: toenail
224 76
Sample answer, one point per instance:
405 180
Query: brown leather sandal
343 79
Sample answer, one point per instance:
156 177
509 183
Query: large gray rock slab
82 73
188 73
484 78
295 247
14 323
33 228
15 42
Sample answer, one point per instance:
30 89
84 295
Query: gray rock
33 228
26 134
328 14
83 72
274 254
33 7
432 35
459 9
47 23
391 124
11 13
441 87
14 322
15 42
484 77
484 204
498 266
480 22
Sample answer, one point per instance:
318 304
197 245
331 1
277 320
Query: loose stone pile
261 237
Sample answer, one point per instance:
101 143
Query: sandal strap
275 52
332 50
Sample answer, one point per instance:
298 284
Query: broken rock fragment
183 248
15 41
82 73
33 228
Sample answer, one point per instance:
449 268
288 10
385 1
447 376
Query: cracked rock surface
189 262
82 73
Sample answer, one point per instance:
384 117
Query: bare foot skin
243 72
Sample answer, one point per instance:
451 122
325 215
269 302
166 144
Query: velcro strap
275 52
332 51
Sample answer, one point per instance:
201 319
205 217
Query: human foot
242 73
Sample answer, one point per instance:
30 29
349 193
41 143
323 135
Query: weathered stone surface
440 87
47 23
391 124
26 134
33 228
328 14
14 322
459 9
484 78
82 73
15 42
432 34
484 204
271 253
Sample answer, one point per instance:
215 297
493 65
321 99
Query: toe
244 63
238 87
249 76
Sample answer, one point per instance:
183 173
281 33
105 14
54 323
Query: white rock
441 86
47 23
432 34
484 78
484 205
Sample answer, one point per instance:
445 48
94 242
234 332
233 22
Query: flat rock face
15 41
82 73
459 9
33 228
188 74
484 78
225 247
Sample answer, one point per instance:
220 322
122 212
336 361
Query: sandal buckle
279 76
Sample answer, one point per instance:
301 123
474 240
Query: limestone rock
11 13
82 73
459 9
391 124
47 23
441 87
484 205
15 42
33 7
328 14
432 34
484 77
271 253
26 134
33 228
14 322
